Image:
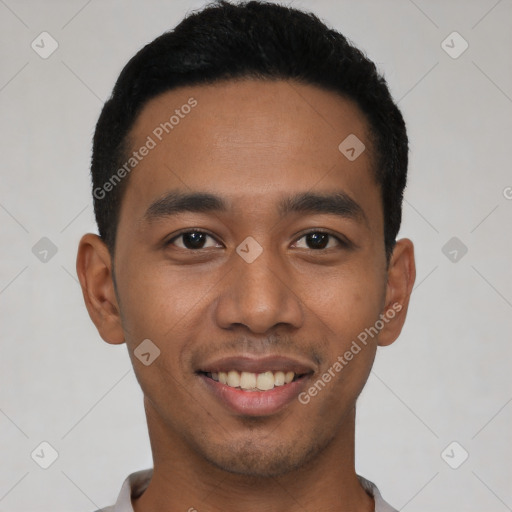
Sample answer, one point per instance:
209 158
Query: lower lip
255 403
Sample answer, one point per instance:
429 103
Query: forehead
250 141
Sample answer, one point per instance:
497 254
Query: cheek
169 307
350 309
157 300
160 305
348 301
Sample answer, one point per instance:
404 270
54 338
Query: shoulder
372 490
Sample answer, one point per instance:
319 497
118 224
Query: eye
193 239
320 240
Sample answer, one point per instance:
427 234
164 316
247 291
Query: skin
252 143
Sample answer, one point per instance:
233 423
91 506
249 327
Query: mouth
255 387
251 381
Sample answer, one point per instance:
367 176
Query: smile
249 381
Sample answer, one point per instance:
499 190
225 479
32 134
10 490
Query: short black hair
259 40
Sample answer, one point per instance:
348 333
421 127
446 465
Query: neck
183 480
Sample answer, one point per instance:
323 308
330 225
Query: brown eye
192 240
318 240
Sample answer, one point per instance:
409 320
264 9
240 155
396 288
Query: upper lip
251 364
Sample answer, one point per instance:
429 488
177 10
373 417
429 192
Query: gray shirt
136 483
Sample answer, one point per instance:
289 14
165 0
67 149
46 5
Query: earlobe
94 270
401 277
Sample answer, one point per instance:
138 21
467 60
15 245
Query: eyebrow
176 202
338 203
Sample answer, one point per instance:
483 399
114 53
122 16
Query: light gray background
446 379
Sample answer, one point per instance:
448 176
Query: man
248 174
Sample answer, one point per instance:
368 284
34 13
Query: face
271 275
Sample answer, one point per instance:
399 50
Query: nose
258 295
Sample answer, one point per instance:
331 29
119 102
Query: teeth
248 380
279 379
253 381
233 379
265 381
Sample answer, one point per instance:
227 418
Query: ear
94 269
401 277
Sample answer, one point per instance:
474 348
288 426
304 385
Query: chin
263 459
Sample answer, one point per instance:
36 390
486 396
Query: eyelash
341 242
